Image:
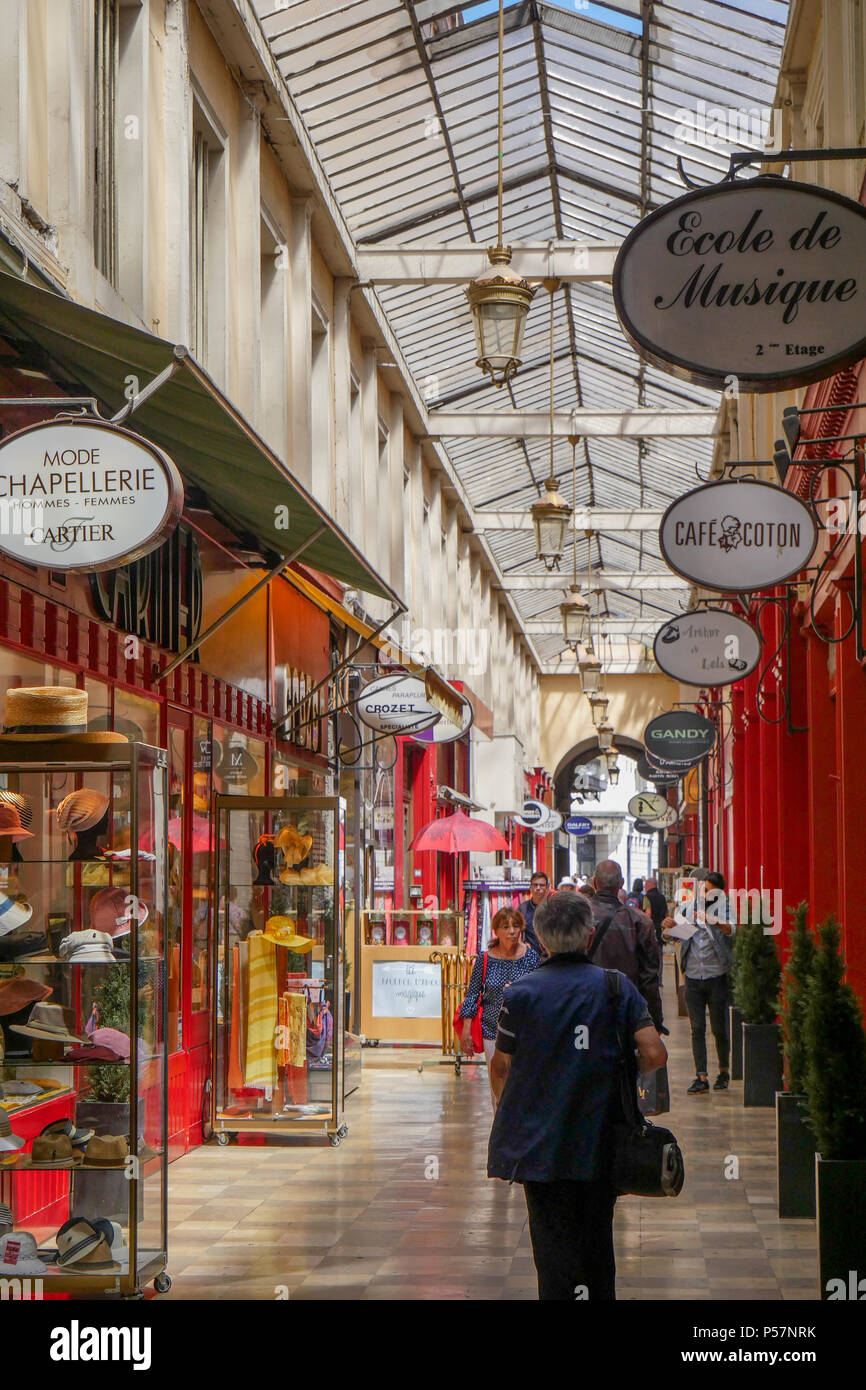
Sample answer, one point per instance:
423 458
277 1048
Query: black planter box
762 1064
840 1186
795 1158
736 1029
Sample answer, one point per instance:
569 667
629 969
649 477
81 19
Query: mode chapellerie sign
84 495
738 537
759 284
707 647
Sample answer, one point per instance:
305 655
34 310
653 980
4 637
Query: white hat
18 1254
566 883
88 945
14 912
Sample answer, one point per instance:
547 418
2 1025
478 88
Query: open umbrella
457 834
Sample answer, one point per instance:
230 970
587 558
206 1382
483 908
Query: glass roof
400 99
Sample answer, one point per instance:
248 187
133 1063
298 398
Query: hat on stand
77 1137
9 1142
52 1151
45 712
80 947
14 912
114 1238
18 1254
81 810
23 805
80 1243
282 932
11 824
107 1151
46 1021
111 911
17 993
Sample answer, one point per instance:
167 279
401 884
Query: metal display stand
60 892
264 1081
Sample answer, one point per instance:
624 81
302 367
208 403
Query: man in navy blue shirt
539 887
554 1075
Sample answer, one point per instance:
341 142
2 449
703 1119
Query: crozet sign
396 704
707 647
84 495
737 537
758 283
680 737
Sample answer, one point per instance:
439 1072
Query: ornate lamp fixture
499 298
550 514
598 709
610 757
605 735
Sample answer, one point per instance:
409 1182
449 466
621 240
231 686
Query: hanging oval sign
396 704
664 821
578 825
680 736
85 495
533 815
737 537
647 805
662 767
707 647
650 773
758 282
641 827
446 731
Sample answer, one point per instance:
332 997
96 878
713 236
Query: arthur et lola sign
707 647
84 495
758 281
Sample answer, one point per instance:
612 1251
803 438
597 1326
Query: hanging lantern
550 517
605 736
499 300
575 618
590 673
598 709
610 757
613 775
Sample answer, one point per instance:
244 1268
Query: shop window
320 380
137 717
201 847
208 240
272 338
106 61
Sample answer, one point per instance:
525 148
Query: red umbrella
457 834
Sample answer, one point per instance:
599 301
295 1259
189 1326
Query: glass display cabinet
85 845
279 1020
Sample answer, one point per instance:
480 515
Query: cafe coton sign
84 495
737 537
707 647
757 283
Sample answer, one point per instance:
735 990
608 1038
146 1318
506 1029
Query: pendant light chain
551 473
501 120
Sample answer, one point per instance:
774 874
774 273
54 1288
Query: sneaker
721 1082
699 1084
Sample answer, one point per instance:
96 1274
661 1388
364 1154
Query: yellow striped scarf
261 1060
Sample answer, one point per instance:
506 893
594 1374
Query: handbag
647 1160
477 1035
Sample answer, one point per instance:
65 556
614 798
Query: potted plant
836 1091
756 992
106 1108
795 1142
735 1024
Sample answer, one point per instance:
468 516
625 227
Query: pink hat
10 823
111 911
17 993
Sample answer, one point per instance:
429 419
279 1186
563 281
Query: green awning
210 441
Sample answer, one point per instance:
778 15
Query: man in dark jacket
625 938
539 887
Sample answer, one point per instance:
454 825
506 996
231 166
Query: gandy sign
758 282
737 537
84 495
680 737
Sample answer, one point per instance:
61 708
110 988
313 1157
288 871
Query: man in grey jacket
707 958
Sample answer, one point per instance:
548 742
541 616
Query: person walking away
554 1075
625 938
655 905
508 959
707 959
539 887
635 897
566 885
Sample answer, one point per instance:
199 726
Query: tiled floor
402 1209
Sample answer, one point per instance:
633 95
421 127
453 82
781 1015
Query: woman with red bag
506 959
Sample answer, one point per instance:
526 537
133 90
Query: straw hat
281 931
81 810
107 1151
40 712
11 824
7 1220
80 1243
22 804
52 1151
17 993
46 1021
14 912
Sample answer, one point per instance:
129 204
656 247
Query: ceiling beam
597 519
627 581
569 261
636 628
636 423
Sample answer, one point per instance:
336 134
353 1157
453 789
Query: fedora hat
80 1243
79 947
46 1021
281 931
113 1233
11 824
81 810
17 993
9 1142
107 1151
23 805
111 911
18 1254
52 1151
36 713
14 912
7 1220
77 1137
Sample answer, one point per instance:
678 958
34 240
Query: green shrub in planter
107 1082
795 1142
794 998
836 1051
757 973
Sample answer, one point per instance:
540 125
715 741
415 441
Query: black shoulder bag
647 1160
